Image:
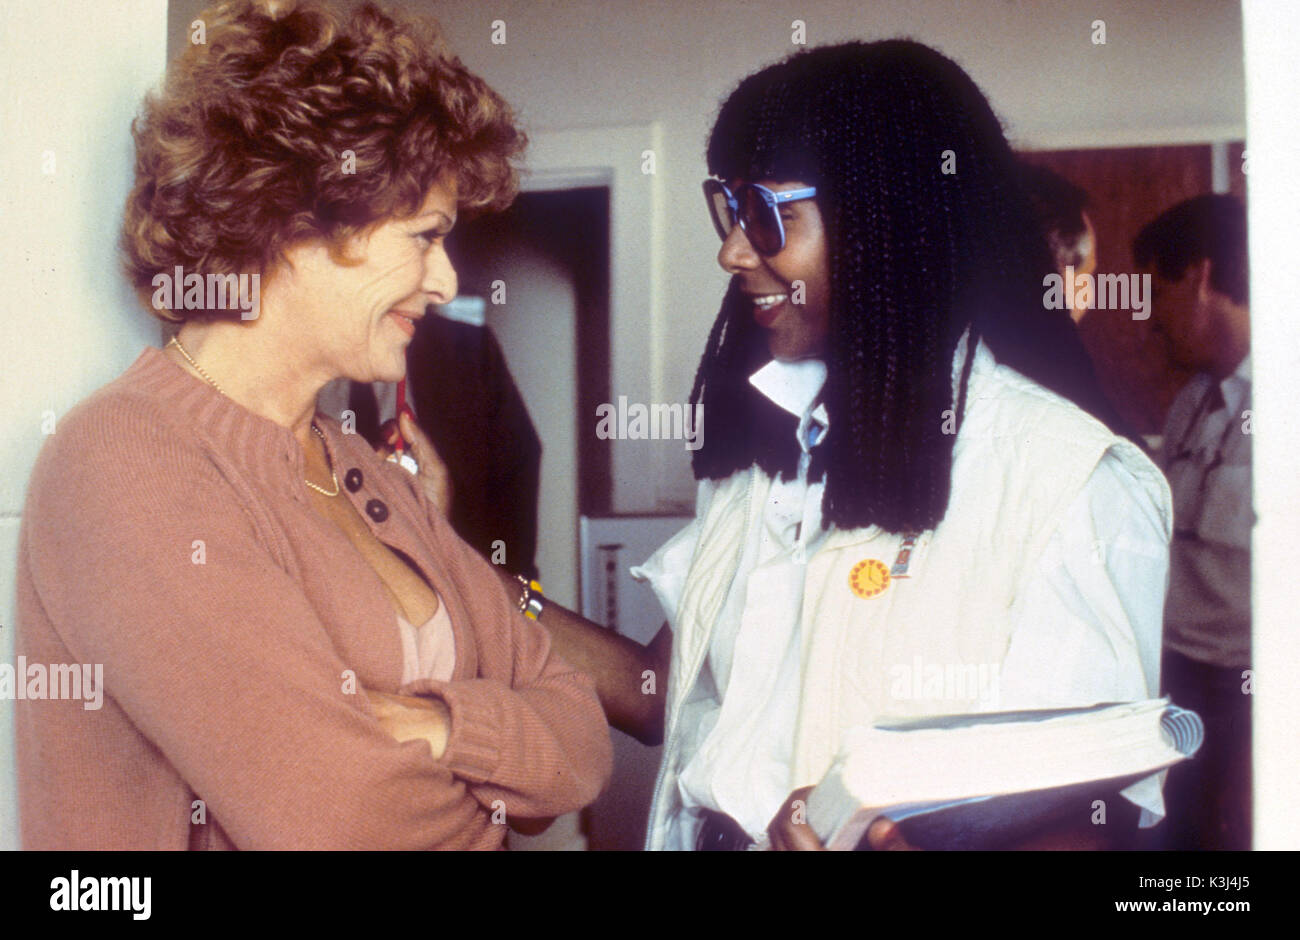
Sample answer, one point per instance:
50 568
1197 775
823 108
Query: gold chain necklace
334 478
197 368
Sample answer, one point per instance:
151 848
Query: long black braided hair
917 255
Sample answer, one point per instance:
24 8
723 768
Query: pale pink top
428 651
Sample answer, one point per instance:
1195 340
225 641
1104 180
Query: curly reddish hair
290 123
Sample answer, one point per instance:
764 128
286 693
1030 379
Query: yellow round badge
869 577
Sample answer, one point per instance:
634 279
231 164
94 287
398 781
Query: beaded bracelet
532 602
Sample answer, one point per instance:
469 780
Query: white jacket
1021 458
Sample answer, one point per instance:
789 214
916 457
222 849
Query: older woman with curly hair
258 585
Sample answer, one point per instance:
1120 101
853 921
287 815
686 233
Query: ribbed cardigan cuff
473 752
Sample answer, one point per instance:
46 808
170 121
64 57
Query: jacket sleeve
528 734
160 571
1088 621
667 569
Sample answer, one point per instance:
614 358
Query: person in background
1196 254
1059 206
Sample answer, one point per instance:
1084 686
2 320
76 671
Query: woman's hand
416 718
433 472
413 718
789 830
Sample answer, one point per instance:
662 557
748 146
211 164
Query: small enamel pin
904 557
869 578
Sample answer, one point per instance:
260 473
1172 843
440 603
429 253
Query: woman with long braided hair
908 465
929 237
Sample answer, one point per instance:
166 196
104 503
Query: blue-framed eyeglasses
756 208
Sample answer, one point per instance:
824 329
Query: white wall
1273 76
73 76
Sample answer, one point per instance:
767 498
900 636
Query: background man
1196 253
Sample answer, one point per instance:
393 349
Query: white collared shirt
1206 456
1094 594
740 720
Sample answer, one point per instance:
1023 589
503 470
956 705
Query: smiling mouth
766 307
766 301
405 321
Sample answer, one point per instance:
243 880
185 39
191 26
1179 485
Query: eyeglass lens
722 220
757 218
760 220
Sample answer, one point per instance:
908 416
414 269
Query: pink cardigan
168 536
